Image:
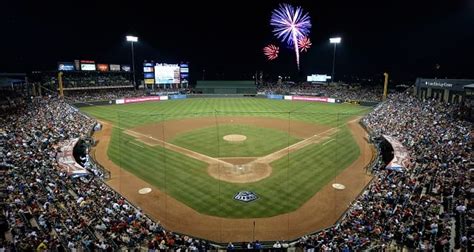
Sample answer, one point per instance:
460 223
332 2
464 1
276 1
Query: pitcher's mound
235 138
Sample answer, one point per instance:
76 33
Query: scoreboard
166 75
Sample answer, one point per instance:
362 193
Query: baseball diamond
204 185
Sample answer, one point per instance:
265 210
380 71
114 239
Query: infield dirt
320 211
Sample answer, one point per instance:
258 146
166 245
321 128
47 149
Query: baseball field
226 169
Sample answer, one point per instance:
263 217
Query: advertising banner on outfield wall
180 96
137 99
288 97
400 160
308 98
278 97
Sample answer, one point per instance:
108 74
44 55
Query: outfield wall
183 96
224 95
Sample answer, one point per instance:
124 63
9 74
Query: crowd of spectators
10 100
339 91
428 205
77 96
85 80
49 210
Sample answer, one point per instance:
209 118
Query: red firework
304 44
271 51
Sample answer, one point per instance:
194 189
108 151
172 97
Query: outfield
171 145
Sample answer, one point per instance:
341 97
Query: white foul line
328 141
136 144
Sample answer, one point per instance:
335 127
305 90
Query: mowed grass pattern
132 115
295 178
209 141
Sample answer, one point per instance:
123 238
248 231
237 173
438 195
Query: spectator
417 208
49 210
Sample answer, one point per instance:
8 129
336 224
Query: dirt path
320 211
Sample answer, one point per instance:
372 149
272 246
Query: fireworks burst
289 25
271 51
304 44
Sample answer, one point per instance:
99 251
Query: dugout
226 87
446 90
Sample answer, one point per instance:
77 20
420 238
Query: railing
93 159
106 173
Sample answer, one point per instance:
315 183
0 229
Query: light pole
334 41
133 39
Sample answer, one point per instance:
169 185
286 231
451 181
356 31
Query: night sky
405 38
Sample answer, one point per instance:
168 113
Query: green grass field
259 142
295 178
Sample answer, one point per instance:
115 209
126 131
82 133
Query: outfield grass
209 141
295 178
132 115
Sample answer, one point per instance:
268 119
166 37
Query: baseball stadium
219 127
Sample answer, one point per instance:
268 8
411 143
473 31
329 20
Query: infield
290 177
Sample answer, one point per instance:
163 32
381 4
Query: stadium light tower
133 39
334 41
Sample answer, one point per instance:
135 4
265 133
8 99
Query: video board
318 78
167 73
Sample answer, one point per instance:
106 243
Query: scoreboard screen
167 74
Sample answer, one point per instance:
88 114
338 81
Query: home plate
144 190
339 186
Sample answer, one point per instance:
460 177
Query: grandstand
95 80
426 205
81 82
